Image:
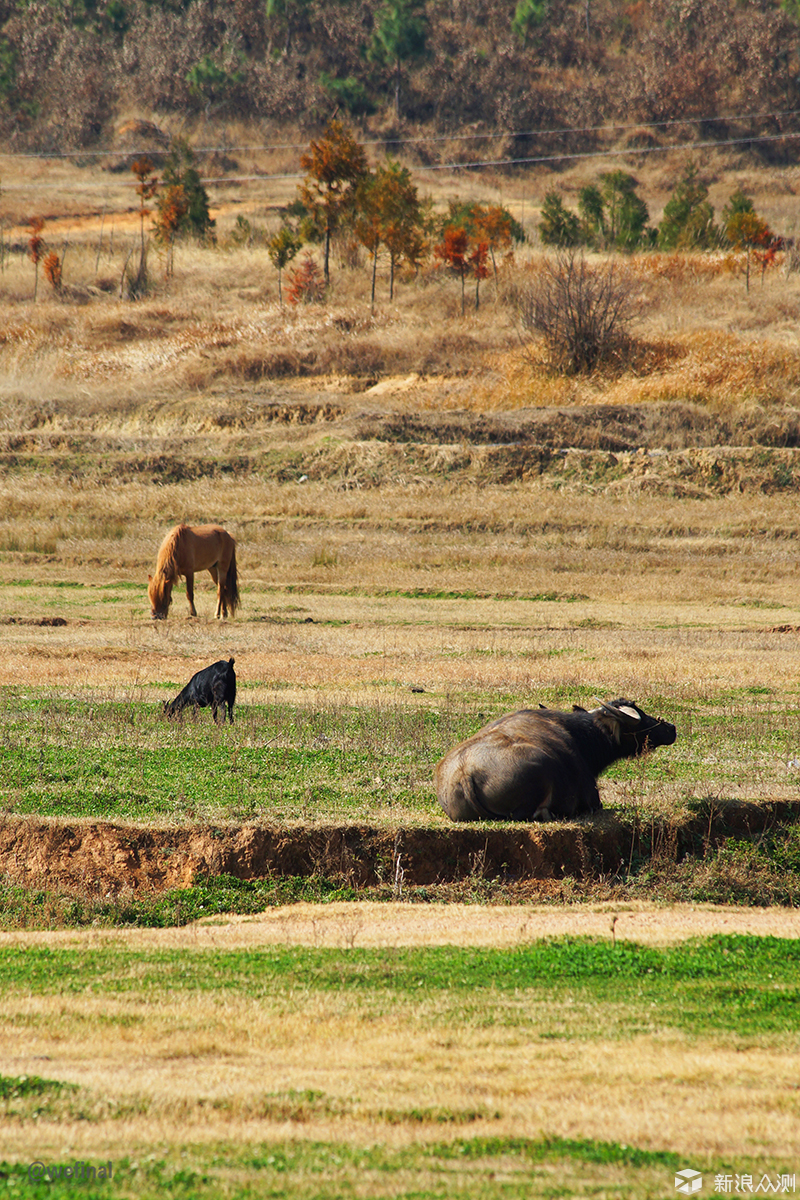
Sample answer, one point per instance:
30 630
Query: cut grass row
330 1093
739 986
480 1168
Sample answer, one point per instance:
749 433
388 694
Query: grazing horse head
159 591
159 586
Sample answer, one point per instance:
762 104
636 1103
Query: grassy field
431 530
403 1071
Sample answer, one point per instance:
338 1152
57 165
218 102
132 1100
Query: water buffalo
540 764
214 685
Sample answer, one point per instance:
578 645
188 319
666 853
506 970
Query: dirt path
387 924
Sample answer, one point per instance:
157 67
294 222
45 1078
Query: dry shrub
581 309
356 357
276 364
721 370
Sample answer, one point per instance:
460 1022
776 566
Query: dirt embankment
662 449
612 427
104 858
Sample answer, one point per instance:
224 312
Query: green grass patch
732 986
89 757
478 1168
22 1087
33 1098
39 908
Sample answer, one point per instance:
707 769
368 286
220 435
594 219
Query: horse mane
167 569
167 562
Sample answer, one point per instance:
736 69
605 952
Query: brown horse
187 549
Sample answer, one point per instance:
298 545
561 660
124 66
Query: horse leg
190 594
222 570
219 580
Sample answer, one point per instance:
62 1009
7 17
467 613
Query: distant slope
70 69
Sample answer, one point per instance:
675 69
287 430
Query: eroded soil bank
104 858
672 449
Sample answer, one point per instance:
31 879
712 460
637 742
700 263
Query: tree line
380 209
612 216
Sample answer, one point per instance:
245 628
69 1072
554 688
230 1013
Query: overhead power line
437 139
538 160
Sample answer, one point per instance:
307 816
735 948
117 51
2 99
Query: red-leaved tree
53 270
495 227
173 205
453 250
306 284
390 214
146 187
749 232
479 265
464 255
334 166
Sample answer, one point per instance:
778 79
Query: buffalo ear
578 708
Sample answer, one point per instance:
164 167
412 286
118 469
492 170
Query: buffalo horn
629 716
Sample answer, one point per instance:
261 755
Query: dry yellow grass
345 924
203 1071
336 648
203 1067
656 579
633 592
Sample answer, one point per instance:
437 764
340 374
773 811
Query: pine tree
400 35
688 220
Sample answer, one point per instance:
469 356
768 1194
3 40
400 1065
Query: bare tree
581 310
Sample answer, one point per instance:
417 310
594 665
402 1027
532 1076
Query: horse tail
232 584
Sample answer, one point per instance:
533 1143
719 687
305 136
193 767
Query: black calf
214 685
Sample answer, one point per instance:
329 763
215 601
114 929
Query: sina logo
688 1182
